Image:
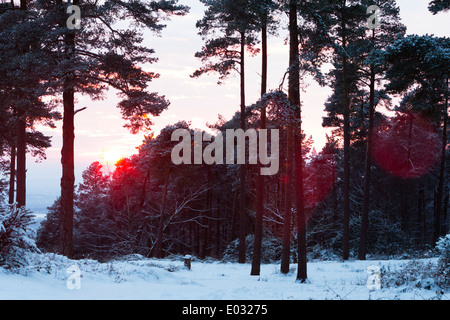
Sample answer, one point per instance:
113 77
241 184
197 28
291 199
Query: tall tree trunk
21 147
440 189
12 174
234 215
68 174
445 212
209 222
335 202
368 169
286 250
420 238
256 262
219 233
158 246
243 169
346 186
21 161
67 152
424 221
294 98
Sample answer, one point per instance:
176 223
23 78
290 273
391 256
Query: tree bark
346 186
294 98
256 262
21 147
243 169
445 212
234 215
420 236
437 218
68 175
368 171
68 151
12 174
21 162
286 250
158 247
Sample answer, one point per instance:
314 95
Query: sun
111 156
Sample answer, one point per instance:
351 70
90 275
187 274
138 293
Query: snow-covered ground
51 277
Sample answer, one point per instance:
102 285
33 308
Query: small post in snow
187 261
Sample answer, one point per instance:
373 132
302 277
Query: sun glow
111 156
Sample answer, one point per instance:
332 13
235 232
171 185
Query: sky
99 129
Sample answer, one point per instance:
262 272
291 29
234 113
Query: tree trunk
346 186
437 218
68 152
12 174
294 98
242 202
424 221
21 147
207 241
286 250
256 262
234 215
68 175
445 213
21 162
158 246
420 237
219 232
368 170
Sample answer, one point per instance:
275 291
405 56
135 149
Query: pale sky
100 127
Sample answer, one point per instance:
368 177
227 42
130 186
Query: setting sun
111 156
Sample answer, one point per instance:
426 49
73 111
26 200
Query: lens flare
406 146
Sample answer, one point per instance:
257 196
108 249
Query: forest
379 188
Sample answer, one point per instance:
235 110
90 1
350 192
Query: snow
47 278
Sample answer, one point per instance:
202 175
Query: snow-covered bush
429 275
413 274
443 246
14 236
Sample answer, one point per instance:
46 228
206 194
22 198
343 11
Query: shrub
423 274
413 274
14 238
443 246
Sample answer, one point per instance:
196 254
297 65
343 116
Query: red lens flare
319 177
406 146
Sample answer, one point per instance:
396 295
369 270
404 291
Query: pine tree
264 10
24 81
98 57
343 19
425 82
93 224
436 6
390 30
235 23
